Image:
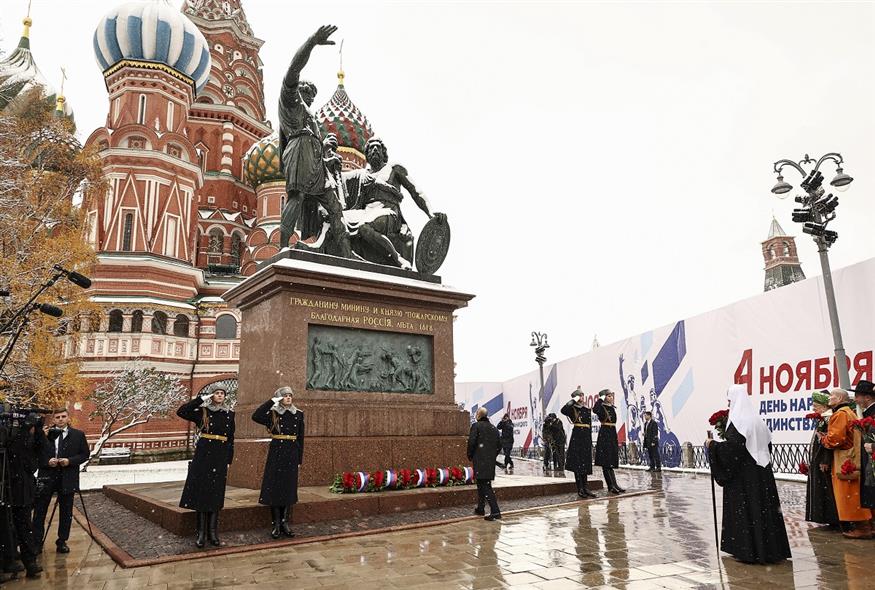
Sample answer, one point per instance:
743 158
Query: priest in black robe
753 525
820 503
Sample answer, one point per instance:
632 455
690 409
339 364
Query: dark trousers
655 460
485 494
65 509
23 526
507 458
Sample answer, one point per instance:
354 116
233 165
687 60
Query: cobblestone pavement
661 540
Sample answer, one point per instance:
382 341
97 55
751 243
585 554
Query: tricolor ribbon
362 478
391 479
420 478
443 476
468 473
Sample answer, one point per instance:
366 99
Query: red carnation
718 416
814 416
377 479
803 468
848 467
348 480
404 476
456 474
430 476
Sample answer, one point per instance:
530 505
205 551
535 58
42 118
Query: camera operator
59 473
24 447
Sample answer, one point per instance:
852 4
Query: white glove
276 400
207 397
575 398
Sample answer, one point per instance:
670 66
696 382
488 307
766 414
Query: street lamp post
815 214
539 341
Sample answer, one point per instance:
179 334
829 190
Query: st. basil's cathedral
195 193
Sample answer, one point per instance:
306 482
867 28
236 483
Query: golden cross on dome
63 79
340 74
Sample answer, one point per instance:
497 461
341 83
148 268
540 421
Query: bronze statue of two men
352 214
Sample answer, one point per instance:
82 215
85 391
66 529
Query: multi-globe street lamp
539 342
816 211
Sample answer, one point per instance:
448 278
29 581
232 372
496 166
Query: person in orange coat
845 440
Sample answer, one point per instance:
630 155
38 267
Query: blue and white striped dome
153 32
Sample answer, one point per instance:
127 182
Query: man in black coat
65 450
483 447
24 446
651 442
505 427
864 396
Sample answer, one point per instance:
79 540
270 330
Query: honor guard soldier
607 449
578 459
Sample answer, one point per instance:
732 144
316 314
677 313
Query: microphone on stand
74 277
51 310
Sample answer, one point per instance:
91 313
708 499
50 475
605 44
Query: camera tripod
52 516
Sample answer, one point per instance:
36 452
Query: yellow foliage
45 183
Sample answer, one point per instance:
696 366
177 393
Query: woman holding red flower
753 525
820 503
846 442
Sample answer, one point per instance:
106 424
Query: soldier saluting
578 459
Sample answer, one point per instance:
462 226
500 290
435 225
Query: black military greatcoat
578 459
279 485
607 450
483 447
204 489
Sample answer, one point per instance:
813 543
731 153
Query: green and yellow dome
261 163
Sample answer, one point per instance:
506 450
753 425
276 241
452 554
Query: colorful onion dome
152 33
262 161
19 74
342 118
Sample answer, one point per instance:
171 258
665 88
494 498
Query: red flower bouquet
849 470
377 478
814 416
803 468
457 476
405 477
718 420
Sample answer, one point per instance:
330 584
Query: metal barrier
785 457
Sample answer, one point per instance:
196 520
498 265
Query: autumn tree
131 397
45 181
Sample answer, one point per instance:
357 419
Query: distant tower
782 261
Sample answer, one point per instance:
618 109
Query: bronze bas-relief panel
352 359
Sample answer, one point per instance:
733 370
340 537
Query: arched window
236 247
141 110
217 239
116 321
771 252
180 326
127 232
226 327
159 322
137 321
786 249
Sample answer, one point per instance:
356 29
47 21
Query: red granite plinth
345 430
159 502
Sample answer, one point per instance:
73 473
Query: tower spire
340 74
59 101
25 35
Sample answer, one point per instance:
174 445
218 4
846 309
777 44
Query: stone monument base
369 356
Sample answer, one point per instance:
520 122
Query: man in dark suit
58 473
483 447
864 396
651 442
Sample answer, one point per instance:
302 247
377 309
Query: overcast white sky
605 167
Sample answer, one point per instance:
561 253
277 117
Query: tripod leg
49 524
85 512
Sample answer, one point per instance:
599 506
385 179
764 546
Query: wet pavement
660 540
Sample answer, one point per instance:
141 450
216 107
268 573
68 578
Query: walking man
482 450
651 442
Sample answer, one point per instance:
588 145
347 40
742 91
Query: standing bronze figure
300 144
279 485
204 490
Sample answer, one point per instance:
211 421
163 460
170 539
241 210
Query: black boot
609 484
276 515
582 489
212 527
201 529
33 570
285 514
617 488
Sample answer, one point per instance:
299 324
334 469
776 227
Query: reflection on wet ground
662 540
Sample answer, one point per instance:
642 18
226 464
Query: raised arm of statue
289 92
405 181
